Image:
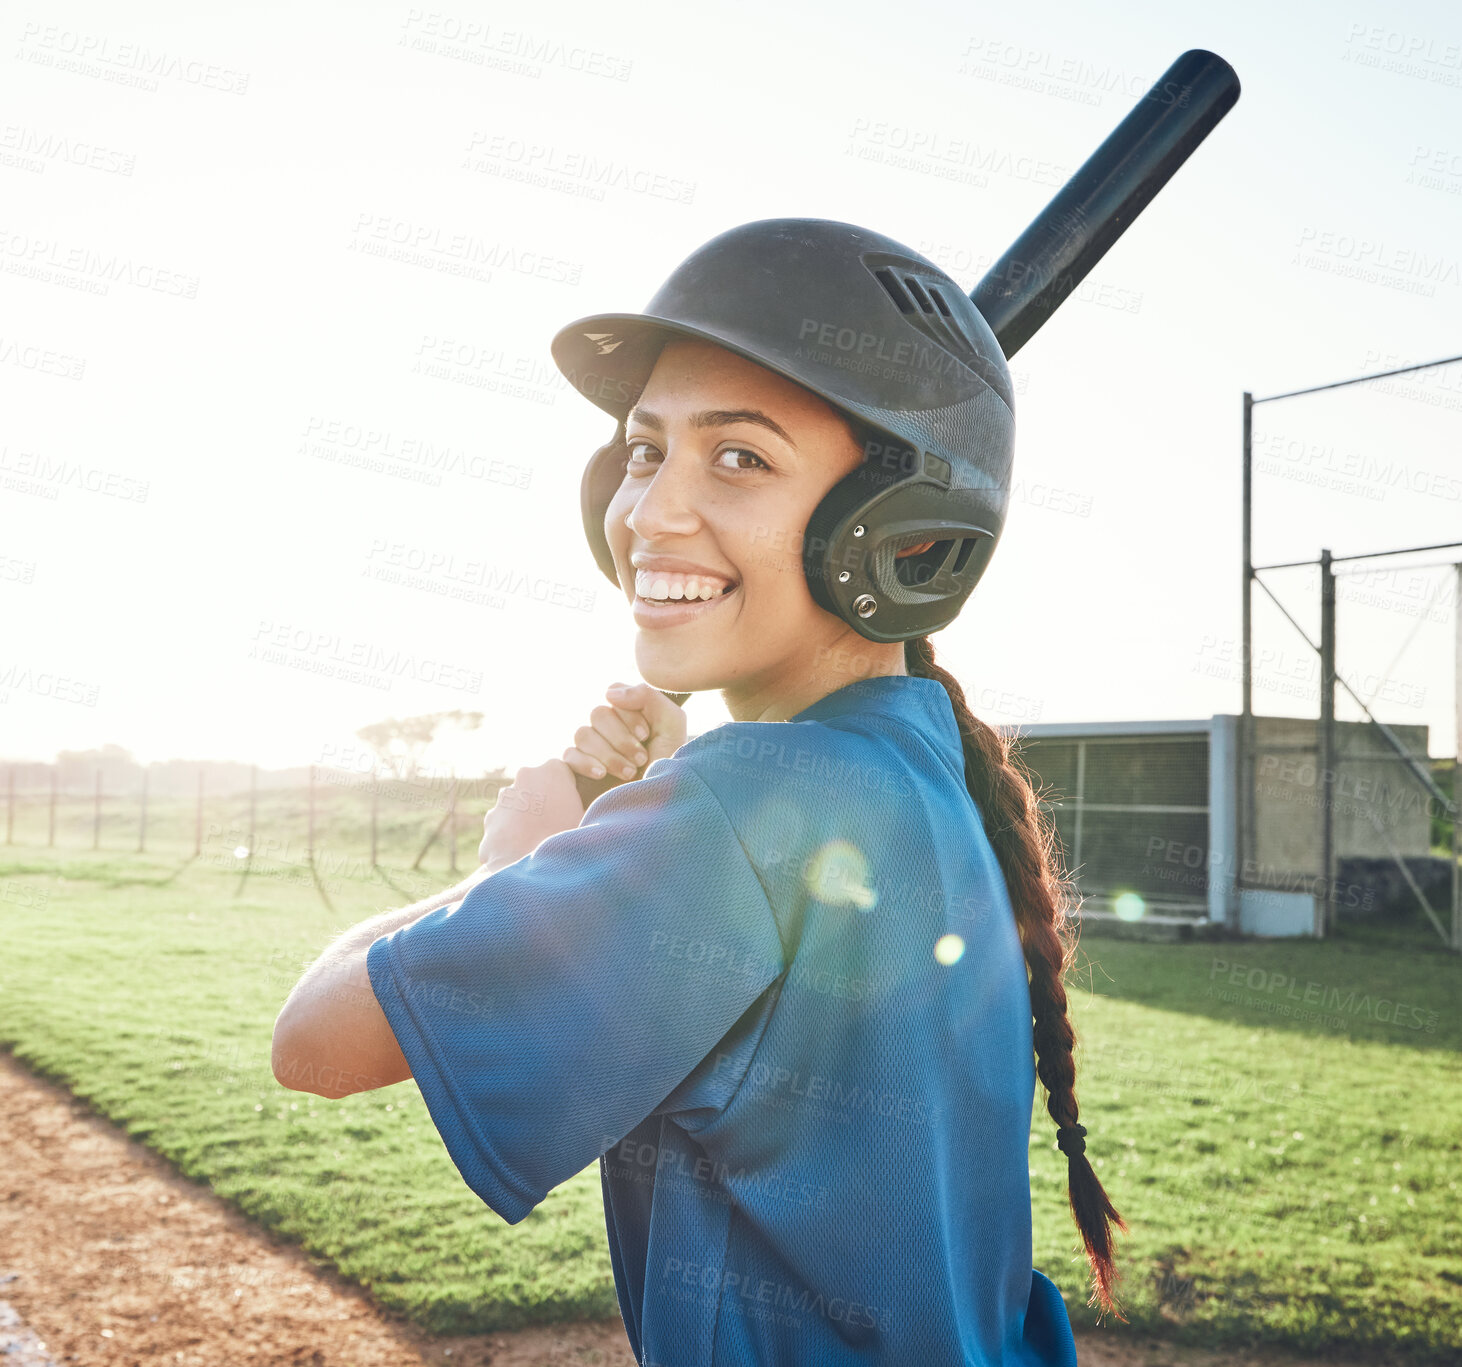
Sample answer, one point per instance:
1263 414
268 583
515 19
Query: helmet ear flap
602 477
861 550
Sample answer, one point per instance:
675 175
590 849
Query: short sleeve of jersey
555 1007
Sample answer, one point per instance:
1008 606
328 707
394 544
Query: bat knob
590 788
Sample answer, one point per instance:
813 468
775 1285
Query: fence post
253 804
10 807
96 820
198 818
452 825
310 840
375 805
55 775
142 816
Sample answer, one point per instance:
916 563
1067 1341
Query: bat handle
590 788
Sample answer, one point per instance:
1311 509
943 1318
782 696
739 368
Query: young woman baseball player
791 981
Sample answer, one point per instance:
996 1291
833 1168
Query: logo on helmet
601 341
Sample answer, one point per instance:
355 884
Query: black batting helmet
883 335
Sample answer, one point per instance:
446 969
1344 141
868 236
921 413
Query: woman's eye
742 451
651 457
634 446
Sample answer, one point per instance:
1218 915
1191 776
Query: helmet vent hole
911 282
920 301
950 321
894 291
916 571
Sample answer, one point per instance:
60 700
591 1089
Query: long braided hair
1024 842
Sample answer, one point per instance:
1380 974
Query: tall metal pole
198 818
142 815
96 819
1325 908
1243 793
1457 776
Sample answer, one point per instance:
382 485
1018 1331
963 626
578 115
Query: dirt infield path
108 1256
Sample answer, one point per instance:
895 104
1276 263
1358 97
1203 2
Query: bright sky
217 373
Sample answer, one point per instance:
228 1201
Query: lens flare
948 949
1129 907
838 874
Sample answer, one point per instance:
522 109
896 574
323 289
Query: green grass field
1287 1177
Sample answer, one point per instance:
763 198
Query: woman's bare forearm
331 1036
362 934
352 944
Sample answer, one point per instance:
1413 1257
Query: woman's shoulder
748 758
788 788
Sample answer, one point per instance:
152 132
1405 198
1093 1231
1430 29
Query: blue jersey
775 986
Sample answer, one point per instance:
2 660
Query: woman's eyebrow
713 417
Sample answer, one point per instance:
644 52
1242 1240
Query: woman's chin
665 668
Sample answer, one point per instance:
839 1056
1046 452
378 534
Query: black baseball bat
1097 205
1089 213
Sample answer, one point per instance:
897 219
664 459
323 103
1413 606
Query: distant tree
77 768
400 742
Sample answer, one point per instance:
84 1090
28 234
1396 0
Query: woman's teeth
662 585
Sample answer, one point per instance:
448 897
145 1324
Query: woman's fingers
634 721
628 712
641 725
592 748
666 720
599 751
618 731
591 765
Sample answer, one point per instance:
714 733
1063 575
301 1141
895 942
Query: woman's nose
667 506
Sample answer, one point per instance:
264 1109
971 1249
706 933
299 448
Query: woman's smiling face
727 462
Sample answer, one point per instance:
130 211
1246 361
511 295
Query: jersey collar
921 703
